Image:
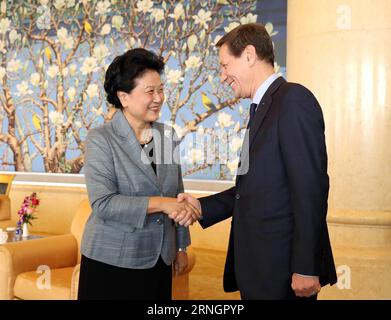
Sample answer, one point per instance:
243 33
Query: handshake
184 209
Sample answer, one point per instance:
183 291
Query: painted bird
37 122
88 27
206 102
48 53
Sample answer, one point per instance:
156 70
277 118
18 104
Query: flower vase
25 232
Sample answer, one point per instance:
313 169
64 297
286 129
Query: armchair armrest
18 257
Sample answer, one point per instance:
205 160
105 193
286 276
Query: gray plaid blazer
119 181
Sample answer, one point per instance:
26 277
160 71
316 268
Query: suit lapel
259 117
162 147
132 147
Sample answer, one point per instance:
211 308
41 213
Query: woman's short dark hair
122 73
252 33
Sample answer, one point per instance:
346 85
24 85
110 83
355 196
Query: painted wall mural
53 57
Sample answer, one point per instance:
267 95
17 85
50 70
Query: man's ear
251 54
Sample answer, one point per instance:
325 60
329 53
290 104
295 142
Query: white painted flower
250 18
65 72
200 130
174 76
71 94
241 110
106 29
14 36
78 124
4 25
231 26
52 71
233 166
202 18
217 39
70 3
59 4
92 90
102 7
191 42
196 156
277 68
35 79
179 131
269 28
72 69
117 22
98 111
65 40
179 12
237 127
3 6
235 143
100 52
43 21
158 14
62 34
2 73
56 118
23 89
144 6
89 65
193 62
210 78
14 65
224 120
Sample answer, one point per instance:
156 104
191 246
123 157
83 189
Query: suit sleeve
303 148
105 200
183 234
217 207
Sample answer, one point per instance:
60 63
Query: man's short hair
249 34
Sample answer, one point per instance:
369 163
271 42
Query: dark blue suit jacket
279 207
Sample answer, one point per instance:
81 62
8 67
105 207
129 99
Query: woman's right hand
170 205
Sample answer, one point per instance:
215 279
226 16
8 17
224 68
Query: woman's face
144 102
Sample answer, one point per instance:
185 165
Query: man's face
234 72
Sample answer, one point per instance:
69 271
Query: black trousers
101 281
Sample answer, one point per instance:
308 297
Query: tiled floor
206 278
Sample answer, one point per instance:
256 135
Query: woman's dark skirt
101 281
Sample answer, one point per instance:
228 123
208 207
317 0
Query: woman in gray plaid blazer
133 176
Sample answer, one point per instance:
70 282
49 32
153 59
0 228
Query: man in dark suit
279 246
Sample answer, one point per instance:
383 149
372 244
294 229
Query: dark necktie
253 107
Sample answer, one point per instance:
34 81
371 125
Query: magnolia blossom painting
53 58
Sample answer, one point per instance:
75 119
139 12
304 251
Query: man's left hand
305 286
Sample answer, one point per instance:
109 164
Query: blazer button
237 196
159 221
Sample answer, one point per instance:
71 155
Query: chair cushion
26 286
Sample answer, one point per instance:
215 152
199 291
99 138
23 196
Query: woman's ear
122 96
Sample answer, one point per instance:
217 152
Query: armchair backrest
79 220
5 207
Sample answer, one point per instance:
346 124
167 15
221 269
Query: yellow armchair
5 212
26 266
